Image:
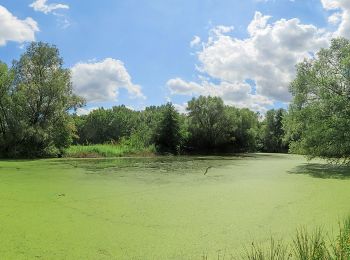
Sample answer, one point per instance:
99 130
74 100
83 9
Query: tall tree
246 132
106 125
167 137
273 132
7 122
207 122
40 100
318 122
215 127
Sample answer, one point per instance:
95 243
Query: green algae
163 207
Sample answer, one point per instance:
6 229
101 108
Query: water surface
162 208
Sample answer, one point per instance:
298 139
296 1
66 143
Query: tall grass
306 246
126 147
341 249
276 251
310 246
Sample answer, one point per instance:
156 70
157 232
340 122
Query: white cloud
46 8
237 94
181 108
335 18
14 29
43 6
259 22
85 111
221 29
343 8
181 87
266 57
101 81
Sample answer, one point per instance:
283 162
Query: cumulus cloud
181 87
238 94
14 29
343 11
259 22
44 7
101 81
267 57
335 18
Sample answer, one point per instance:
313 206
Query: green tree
273 132
149 120
215 127
167 137
207 123
106 125
8 124
318 121
246 133
39 99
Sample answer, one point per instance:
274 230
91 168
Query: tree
167 137
246 132
318 121
215 127
273 132
207 123
7 122
106 125
39 98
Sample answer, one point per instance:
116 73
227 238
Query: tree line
38 113
208 127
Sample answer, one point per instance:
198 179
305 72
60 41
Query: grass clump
306 246
312 246
341 249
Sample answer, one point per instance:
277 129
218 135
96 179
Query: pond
163 207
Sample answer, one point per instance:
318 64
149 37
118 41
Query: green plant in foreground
306 246
341 249
276 251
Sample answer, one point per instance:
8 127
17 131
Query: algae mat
163 208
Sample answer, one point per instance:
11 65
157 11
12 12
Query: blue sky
142 49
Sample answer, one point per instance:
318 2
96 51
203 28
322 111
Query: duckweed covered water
163 208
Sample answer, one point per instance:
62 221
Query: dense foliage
35 98
216 127
167 135
104 125
273 133
208 127
319 116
